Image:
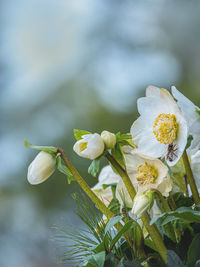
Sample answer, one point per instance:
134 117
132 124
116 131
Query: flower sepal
48 149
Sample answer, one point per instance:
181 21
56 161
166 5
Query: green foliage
48 149
193 252
186 214
189 141
79 133
112 222
125 140
63 169
94 167
181 200
97 259
173 259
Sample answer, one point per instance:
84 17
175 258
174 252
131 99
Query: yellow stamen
147 174
83 146
165 128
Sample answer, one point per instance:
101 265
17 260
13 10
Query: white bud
140 204
91 146
109 139
41 168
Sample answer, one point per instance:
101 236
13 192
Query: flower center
147 174
83 146
165 128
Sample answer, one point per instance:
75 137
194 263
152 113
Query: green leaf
124 229
173 259
94 167
193 252
189 141
49 149
112 222
79 133
197 264
98 248
149 243
63 168
124 137
97 259
181 200
187 214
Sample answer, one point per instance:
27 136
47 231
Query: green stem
172 202
186 186
190 178
99 204
152 230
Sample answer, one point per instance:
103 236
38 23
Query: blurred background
77 64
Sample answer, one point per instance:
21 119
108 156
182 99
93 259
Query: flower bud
109 139
140 204
91 146
41 168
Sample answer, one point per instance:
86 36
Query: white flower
161 125
145 173
107 177
140 204
192 115
109 139
195 165
148 173
91 146
41 168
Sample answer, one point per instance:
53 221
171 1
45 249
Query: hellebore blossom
145 173
41 168
91 146
109 139
161 130
107 177
192 115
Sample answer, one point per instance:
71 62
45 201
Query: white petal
123 196
41 168
195 165
186 105
145 140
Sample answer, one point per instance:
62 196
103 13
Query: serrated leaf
63 169
184 213
173 259
79 133
49 149
112 222
94 167
193 252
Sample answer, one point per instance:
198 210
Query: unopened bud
140 204
109 139
91 146
41 168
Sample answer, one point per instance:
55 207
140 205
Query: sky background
77 64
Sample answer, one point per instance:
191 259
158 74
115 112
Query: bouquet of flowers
145 208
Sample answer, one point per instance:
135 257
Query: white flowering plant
145 207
